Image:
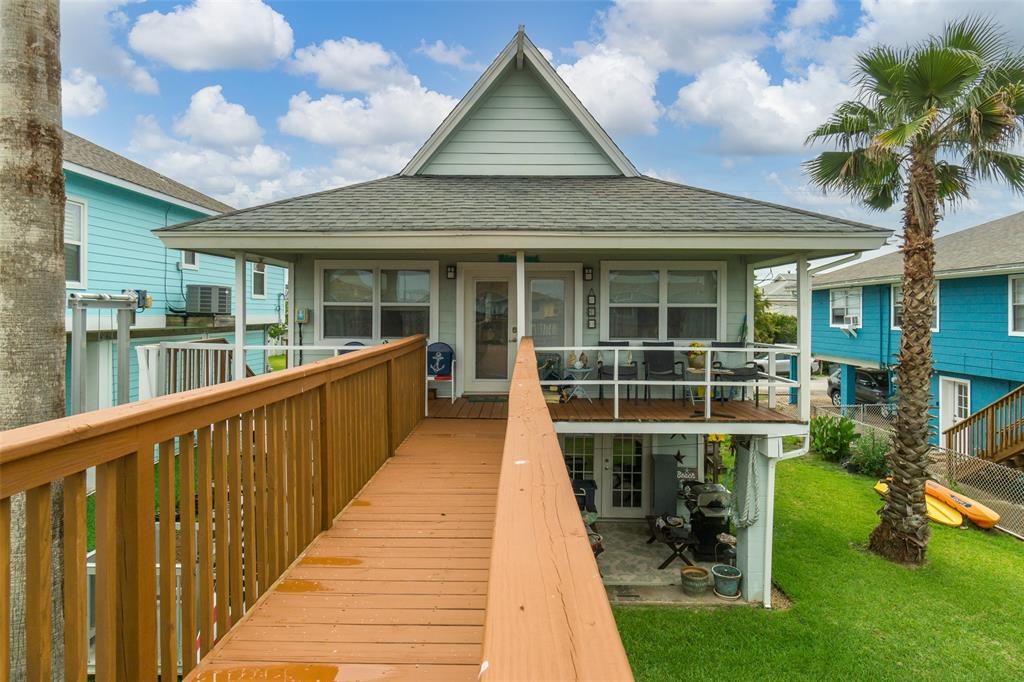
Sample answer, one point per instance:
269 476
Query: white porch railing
707 377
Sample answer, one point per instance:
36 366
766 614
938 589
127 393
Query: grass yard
277 362
854 616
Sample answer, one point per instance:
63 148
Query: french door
619 465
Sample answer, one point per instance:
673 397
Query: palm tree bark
32 338
903 532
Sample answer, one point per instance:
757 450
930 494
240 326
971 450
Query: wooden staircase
995 432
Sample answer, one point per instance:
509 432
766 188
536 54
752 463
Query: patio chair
626 371
745 372
441 365
661 365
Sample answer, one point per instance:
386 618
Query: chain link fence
994 485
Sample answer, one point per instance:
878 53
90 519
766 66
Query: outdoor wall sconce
588 274
451 272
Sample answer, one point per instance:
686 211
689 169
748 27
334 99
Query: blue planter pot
727 580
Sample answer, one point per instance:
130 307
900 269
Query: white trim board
83 244
684 427
139 189
1009 306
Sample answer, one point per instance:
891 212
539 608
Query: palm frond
953 183
900 135
937 76
988 164
976 34
880 71
868 176
852 124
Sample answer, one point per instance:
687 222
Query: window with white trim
896 307
1016 312
259 280
368 301
189 260
845 307
680 301
74 243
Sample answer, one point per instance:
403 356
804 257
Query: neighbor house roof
996 245
82 152
514 203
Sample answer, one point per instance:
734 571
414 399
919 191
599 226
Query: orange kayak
979 514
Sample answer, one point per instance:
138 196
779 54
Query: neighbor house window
259 280
74 243
189 260
376 301
845 307
1017 305
662 301
896 310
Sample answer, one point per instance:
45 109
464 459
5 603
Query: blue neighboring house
113 205
978 337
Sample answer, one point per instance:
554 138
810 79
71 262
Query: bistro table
716 374
578 390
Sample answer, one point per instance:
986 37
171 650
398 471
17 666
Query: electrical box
207 299
302 315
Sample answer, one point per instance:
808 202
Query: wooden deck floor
733 411
396 589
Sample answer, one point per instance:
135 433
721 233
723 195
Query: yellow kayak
982 516
938 511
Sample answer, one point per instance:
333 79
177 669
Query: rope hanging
750 513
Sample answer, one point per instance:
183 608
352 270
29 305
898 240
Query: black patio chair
747 372
626 371
661 365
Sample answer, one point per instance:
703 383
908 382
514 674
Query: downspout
769 522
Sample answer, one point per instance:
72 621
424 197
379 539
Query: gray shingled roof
996 244
585 204
85 153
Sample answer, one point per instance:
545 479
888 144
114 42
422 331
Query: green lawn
277 362
854 616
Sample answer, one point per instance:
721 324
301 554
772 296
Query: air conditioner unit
851 321
207 299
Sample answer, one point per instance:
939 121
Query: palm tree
32 338
929 122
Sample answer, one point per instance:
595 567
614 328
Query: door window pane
72 262
633 286
348 286
627 472
404 286
579 457
692 323
693 286
398 321
491 329
632 323
348 322
547 312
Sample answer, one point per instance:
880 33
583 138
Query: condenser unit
207 299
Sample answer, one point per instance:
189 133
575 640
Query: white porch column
520 296
750 306
290 317
240 297
803 336
753 527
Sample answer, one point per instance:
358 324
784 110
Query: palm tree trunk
32 339
903 532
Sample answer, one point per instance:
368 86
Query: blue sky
252 101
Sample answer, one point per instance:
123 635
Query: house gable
520 119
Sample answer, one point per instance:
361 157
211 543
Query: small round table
578 374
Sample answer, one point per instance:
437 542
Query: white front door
490 331
623 483
954 404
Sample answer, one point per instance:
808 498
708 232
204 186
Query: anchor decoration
437 362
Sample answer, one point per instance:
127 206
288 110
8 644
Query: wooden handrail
548 616
994 432
273 459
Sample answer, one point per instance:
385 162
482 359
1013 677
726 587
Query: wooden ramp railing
995 432
548 616
251 470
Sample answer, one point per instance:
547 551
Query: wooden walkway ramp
396 589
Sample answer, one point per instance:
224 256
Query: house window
579 457
845 307
896 309
74 243
663 302
377 301
259 280
1017 305
189 260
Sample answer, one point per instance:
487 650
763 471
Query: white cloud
81 94
548 54
617 88
754 115
351 65
391 115
209 34
87 41
449 55
212 120
811 13
261 162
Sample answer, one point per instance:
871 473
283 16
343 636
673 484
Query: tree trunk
32 338
903 532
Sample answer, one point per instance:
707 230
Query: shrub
870 454
831 437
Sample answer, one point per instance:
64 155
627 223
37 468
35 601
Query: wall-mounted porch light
588 274
450 270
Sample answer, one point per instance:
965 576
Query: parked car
872 388
781 364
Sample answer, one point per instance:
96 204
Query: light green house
521 216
